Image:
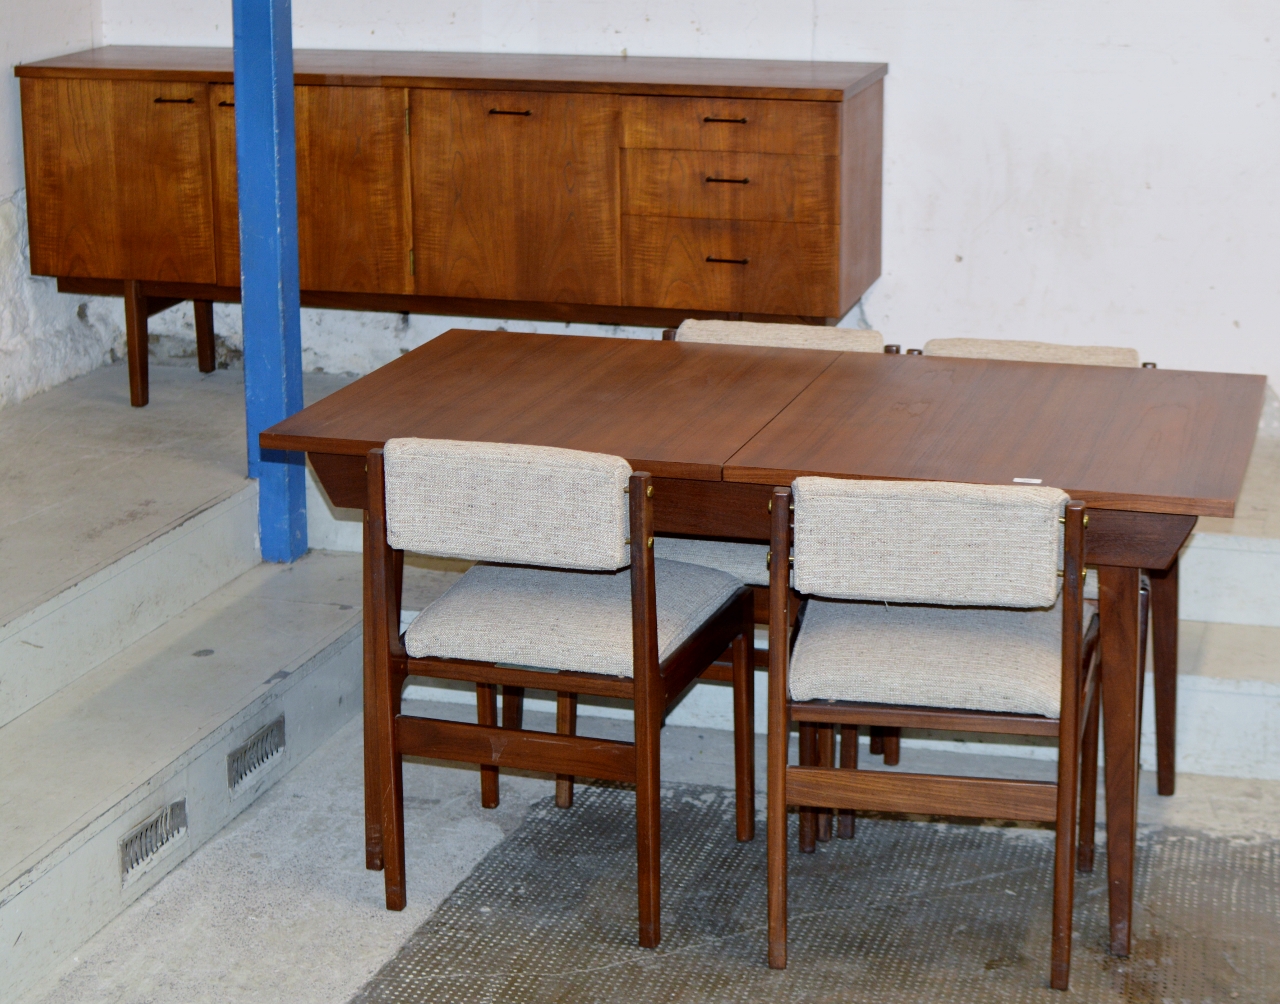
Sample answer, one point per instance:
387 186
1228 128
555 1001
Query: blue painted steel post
267 173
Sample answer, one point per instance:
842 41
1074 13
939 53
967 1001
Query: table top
658 75
674 409
1134 439
1144 440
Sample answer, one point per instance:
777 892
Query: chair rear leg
877 740
487 714
848 761
1088 788
808 815
744 733
826 758
566 725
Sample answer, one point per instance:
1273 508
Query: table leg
372 764
1164 639
1121 683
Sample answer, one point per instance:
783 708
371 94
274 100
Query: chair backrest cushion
1032 352
528 505
785 336
928 542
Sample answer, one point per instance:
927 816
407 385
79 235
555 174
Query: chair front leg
808 814
1088 787
744 732
826 758
487 714
848 761
512 707
566 725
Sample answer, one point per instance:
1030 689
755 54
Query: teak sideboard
576 188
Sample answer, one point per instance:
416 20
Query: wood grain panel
354 195
793 127
743 78
861 170
519 749
354 215
883 791
516 195
1163 441
226 196
790 268
675 409
118 180
708 184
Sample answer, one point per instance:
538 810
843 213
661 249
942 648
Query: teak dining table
718 425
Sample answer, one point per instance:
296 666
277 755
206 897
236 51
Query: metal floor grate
905 912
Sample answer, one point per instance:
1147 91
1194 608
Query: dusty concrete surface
85 479
905 913
280 907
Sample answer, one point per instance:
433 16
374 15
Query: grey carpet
906 911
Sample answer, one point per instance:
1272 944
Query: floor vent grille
142 843
258 751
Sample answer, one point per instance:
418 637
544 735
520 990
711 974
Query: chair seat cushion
978 658
548 619
743 561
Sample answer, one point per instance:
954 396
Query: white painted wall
1095 172
44 338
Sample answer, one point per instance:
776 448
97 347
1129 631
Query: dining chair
745 560
1159 589
567 597
929 605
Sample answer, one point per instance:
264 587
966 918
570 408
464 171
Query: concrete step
59 640
152 728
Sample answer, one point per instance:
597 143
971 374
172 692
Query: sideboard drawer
751 267
717 185
811 128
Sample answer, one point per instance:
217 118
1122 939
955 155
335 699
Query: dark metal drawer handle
499 111
729 261
175 101
734 121
226 104
728 181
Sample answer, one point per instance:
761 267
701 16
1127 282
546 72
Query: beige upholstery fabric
536 505
743 561
928 542
547 619
787 336
945 657
1091 584
1032 352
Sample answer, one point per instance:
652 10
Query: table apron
1115 537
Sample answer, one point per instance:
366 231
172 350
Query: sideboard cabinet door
354 217
516 195
118 179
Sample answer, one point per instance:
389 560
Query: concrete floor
278 907
86 479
